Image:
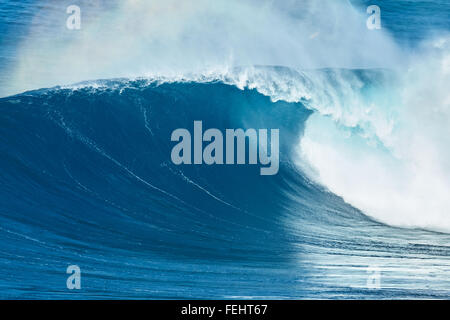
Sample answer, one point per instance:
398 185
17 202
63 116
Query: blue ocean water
86 177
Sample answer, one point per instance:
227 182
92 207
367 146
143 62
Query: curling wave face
87 179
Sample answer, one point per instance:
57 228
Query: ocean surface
358 210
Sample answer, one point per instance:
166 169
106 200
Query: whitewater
364 177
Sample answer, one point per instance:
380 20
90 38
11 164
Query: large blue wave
87 179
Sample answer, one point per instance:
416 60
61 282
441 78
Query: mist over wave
150 38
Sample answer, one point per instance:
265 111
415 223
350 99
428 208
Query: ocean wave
87 176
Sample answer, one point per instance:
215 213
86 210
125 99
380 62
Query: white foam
403 178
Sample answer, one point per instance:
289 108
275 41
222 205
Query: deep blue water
86 179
